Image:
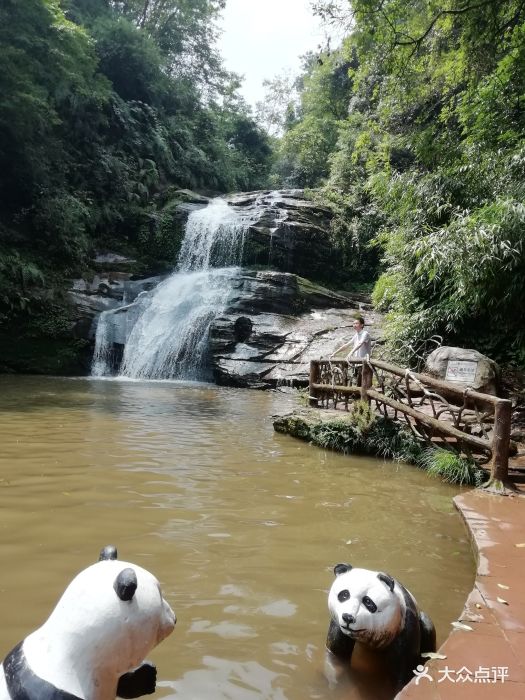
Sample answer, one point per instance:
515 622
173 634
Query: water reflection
241 525
223 679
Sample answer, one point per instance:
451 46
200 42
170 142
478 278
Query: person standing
361 342
361 346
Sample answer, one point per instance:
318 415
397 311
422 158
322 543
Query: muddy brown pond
242 526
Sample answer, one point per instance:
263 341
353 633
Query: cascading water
214 236
168 337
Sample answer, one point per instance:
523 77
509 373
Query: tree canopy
412 129
106 106
419 145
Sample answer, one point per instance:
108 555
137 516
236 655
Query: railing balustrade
480 423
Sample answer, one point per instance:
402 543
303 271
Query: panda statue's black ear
388 580
126 584
108 552
341 569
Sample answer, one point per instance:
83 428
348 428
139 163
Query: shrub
365 433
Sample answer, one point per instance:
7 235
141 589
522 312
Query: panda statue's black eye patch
343 595
369 604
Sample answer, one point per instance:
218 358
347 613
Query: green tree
433 148
311 132
105 108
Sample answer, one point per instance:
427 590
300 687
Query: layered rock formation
275 324
285 231
104 291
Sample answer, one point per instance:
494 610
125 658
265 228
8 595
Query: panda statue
92 646
373 613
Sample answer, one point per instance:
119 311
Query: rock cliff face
275 324
275 320
287 233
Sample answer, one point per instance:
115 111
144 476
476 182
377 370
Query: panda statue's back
372 612
93 645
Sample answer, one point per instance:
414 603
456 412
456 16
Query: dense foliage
413 130
105 108
421 150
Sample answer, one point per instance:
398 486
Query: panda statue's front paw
141 681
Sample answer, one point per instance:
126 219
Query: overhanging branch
442 13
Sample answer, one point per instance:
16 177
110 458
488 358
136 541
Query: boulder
464 368
105 260
190 196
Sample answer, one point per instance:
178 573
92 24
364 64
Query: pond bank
360 430
485 659
494 647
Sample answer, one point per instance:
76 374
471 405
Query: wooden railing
480 423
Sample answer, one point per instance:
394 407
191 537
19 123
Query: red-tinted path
488 661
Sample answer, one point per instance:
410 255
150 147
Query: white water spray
214 237
167 331
170 337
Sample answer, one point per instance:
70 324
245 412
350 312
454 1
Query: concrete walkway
488 660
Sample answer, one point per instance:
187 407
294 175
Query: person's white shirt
361 345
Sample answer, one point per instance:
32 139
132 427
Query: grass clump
390 440
451 467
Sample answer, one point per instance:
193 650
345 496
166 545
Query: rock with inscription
464 368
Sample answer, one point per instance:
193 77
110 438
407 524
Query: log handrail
497 446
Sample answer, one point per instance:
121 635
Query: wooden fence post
314 379
499 468
366 381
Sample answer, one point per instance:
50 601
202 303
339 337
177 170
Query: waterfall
101 361
214 235
169 339
166 334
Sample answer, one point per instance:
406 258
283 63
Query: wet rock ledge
275 323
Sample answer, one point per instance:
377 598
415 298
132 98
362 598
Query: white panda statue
92 646
371 609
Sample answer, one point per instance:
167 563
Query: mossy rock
293 425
